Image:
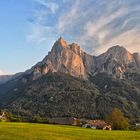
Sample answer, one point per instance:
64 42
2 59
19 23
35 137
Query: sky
28 28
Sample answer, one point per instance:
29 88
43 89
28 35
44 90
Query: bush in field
117 120
12 118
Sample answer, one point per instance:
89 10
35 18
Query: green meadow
29 131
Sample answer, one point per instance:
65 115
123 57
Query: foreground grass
29 131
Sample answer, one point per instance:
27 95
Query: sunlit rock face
76 49
70 59
116 60
64 58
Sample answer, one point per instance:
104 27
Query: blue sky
28 28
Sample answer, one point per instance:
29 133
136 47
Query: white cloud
95 24
51 5
67 19
2 72
129 39
99 34
95 27
37 34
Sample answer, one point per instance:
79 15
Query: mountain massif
70 59
71 82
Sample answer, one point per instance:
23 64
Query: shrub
117 120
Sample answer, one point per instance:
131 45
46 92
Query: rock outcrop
116 61
62 58
70 59
137 59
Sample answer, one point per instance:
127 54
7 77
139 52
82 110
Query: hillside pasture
29 131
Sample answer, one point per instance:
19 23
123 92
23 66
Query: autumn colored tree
117 120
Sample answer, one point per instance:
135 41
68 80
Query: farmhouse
137 125
95 124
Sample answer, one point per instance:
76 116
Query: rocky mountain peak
62 42
59 45
116 60
120 53
70 59
76 48
116 48
63 58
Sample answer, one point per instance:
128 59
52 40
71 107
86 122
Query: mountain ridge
69 82
71 59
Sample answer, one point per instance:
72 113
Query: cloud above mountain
2 72
95 24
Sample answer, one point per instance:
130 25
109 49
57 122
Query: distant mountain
70 82
5 78
116 61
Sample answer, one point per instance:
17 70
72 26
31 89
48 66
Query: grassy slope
28 131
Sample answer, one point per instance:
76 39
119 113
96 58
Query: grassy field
29 131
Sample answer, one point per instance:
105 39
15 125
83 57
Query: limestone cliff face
63 58
70 59
137 59
116 60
